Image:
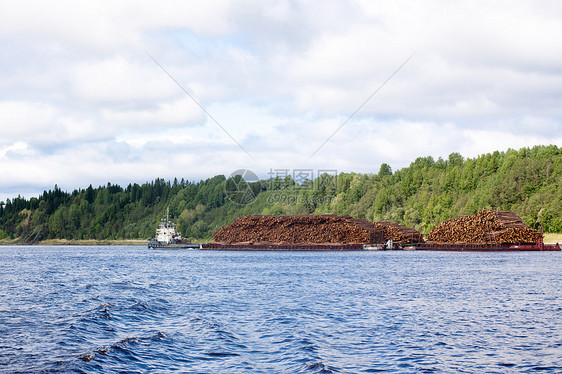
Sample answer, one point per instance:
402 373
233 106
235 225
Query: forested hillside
422 195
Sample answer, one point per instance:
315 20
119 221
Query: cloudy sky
94 93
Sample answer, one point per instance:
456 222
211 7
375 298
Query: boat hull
154 244
361 247
282 247
513 248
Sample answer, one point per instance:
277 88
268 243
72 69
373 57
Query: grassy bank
77 242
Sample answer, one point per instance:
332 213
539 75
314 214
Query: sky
129 91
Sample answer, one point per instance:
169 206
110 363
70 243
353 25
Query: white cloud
18 149
39 124
122 82
20 119
183 112
81 101
105 26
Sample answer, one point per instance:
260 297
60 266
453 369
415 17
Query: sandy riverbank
552 238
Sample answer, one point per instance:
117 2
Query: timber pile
486 227
309 229
398 233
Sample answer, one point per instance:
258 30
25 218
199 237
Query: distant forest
527 181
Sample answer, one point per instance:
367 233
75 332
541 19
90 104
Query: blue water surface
130 309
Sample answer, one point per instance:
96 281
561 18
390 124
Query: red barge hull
512 248
360 247
282 247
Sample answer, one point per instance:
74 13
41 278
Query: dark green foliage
526 181
385 170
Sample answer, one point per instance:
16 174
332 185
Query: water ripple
112 309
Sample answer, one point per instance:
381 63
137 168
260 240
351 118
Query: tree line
427 192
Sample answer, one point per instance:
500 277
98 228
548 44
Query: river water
130 309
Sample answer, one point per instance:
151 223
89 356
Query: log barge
486 231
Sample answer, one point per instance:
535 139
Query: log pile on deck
486 227
307 229
398 233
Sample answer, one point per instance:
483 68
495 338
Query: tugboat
168 237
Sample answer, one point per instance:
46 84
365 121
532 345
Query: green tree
385 170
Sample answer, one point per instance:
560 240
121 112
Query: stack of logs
485 227
308 229
398 233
